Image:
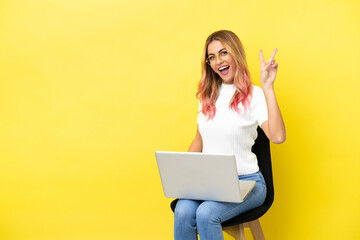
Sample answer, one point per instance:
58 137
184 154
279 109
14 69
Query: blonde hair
208 88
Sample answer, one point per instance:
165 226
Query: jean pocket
260 178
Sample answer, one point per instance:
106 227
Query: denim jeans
207 216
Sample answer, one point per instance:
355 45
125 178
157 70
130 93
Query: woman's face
221 61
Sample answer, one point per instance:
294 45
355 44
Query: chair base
254 226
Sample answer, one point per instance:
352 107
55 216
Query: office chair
251 218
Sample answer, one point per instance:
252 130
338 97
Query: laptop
201 176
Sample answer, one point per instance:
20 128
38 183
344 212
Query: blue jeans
207 216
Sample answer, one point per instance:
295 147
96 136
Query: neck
228 82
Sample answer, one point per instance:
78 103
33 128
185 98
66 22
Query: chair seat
248 216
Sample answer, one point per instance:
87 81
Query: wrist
268 88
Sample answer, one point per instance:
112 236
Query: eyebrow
218 51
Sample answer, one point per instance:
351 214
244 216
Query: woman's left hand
268 70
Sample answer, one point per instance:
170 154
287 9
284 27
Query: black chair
251 218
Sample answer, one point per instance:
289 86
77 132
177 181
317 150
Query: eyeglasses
212 58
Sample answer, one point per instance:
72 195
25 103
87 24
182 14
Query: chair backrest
262 150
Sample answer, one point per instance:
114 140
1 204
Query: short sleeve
258 107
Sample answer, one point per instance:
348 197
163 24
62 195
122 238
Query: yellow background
89 89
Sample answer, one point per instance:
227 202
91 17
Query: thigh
222 211
187 207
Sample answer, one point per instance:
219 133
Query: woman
231 108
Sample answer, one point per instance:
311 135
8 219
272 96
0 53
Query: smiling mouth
224 70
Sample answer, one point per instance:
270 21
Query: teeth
222 68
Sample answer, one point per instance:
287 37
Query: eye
211 58
224 53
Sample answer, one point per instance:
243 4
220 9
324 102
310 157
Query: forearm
276 126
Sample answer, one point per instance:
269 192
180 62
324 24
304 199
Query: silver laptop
201 176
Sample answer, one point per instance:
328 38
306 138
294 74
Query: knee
205 215
183 214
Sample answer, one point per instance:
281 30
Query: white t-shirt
233 132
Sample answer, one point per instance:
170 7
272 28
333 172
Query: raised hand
268 70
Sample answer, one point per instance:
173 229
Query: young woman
231 108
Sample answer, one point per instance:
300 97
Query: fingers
273 54
269 65
271 58
262 57
275 65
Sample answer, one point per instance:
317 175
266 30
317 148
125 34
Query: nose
219 60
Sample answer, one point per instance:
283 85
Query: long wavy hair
208 88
